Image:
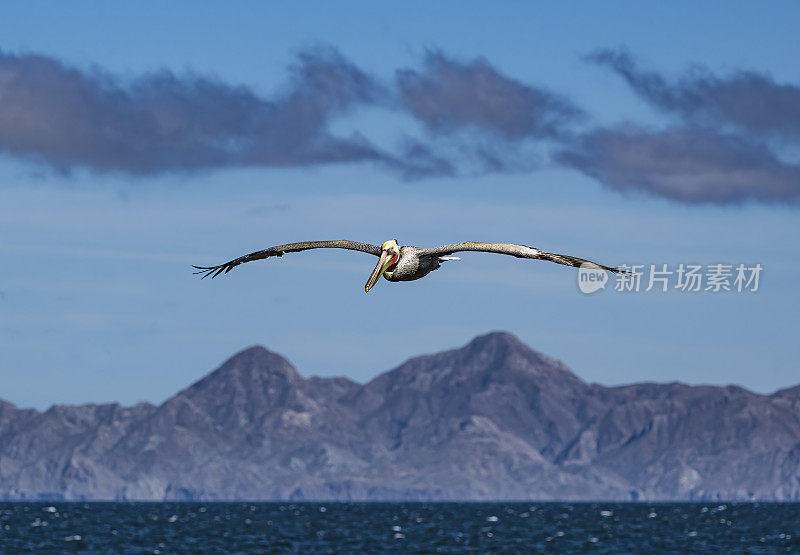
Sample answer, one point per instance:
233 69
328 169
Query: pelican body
398 263
412 266
406 263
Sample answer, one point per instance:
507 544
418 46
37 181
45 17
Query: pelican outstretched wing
520 251
280 250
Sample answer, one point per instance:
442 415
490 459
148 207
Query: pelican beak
384 262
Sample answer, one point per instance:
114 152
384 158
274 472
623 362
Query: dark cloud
417 160
478 121
719 154
470 157
687 164
162 122
751 101
447 96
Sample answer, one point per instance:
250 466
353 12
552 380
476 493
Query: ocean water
401 527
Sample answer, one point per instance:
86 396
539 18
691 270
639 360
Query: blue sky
96 299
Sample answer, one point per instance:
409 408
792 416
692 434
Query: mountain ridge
493 419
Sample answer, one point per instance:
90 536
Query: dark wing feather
519 251
280 250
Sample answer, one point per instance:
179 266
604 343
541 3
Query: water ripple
399 527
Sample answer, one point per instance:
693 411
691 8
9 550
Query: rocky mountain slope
492 420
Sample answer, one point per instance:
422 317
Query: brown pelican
397 263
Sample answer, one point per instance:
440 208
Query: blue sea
401 527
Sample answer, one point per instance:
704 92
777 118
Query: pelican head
390 254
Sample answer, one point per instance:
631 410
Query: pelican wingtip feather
212 271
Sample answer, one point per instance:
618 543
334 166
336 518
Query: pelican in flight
396 263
